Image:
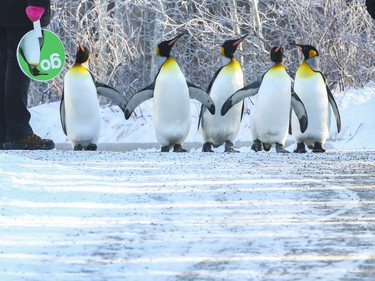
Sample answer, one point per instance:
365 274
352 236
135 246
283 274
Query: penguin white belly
82 110
269 120
31 48
217 129
312 91
172 118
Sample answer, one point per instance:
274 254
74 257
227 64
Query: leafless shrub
122 36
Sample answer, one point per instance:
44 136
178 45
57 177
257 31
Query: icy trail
144 215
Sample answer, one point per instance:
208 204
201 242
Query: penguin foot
231 150
229 147
165 148
280 148
207 147
257 146
178 148
267 146
92 147
318 148
78 147
300 148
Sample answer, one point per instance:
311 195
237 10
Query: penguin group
281 105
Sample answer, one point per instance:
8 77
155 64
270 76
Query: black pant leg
17 116
3 64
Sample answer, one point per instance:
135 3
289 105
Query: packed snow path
144 215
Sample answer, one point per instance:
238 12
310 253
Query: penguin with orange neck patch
171 93
311 86
217 130
270 116
79 108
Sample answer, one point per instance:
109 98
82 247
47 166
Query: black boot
32 142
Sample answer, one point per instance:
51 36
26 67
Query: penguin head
164 48
82 55
307 50
229 47
276 54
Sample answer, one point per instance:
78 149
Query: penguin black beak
174 40
238 41
80 47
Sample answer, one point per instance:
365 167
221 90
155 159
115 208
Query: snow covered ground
144 215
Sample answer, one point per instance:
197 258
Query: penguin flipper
201 96
20 50
290 121
139 97
41 41
62 114
335 109
241 94
300 110
214 78
111 94
200 119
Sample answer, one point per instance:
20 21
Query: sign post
41 59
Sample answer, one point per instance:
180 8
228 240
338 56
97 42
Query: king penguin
171 93
270 116
310 84
30 48
79 108
216 129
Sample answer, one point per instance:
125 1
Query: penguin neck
225 60
165 60
84 64
168 60
314 63
170 63
276 65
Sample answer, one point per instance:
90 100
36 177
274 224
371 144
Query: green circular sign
41 59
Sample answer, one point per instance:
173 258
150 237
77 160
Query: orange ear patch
312 53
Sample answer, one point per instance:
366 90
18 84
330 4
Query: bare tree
122 36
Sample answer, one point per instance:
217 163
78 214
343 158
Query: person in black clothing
15 130
370 4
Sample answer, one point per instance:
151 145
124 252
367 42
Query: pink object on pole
34 12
